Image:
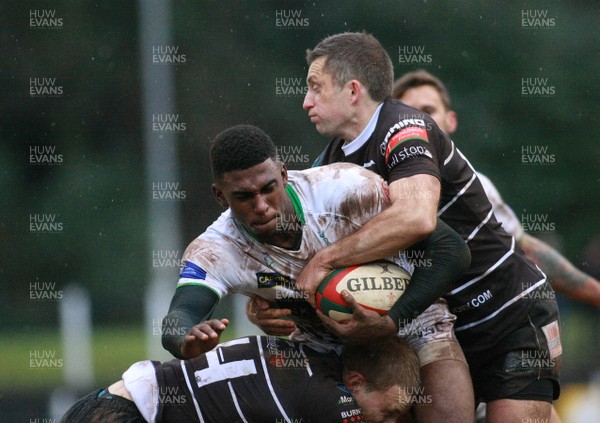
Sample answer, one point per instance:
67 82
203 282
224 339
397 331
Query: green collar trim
296 203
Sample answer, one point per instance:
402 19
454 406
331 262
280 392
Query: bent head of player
346 71
383 377
250 180
423 91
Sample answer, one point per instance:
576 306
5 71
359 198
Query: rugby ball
375 286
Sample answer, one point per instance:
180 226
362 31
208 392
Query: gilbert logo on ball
375 286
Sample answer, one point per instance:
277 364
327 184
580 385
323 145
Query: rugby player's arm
445 257
191 307
411 217
564 277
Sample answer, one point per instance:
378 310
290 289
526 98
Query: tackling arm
448 257
411 217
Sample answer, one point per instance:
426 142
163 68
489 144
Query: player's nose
307 104
260 205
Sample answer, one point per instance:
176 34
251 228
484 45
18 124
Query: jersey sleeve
409 148
205 263
505 215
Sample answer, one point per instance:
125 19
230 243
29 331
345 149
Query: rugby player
504 305
263 379
423 91
276 220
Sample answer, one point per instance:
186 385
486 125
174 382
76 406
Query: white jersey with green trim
332 202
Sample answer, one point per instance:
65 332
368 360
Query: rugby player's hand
269 320
202 337
364 325
311 276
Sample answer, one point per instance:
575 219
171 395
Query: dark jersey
491 297
256 379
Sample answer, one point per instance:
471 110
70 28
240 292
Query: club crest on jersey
269 280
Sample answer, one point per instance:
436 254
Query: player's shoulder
398 112
339 186
216 240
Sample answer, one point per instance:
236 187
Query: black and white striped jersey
252 379
493 296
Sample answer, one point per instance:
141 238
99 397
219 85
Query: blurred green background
244 62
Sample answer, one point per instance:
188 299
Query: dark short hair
384 362
356 55
100 409
417 79
240 147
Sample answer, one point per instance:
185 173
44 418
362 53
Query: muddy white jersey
331 202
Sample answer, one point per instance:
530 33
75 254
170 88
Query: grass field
33 360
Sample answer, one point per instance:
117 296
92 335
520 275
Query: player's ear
451 121
284 174
354 380
357 90
219 196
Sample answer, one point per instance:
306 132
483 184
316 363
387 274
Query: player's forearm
190 305
382 236
174 327
445 257
564 277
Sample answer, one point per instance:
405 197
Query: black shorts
525 363
102 406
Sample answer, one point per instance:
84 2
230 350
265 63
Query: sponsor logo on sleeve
403 135
406 129
270 280
192 271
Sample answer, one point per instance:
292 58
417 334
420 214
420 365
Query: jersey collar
296 203
364 136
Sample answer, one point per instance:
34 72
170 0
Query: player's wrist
390 325
326 257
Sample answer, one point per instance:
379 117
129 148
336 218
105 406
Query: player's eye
269 188
242 196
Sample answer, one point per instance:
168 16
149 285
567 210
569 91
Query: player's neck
361 119
289 237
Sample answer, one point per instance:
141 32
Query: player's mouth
262 224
